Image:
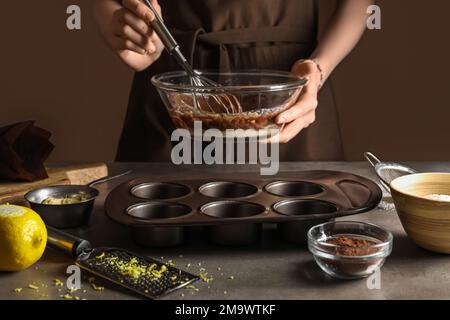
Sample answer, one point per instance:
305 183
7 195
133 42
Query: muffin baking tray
233 210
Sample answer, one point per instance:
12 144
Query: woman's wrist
311 69
320 70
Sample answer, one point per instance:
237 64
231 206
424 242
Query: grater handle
68 243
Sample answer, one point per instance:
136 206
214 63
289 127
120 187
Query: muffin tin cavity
232 209
160 190
293 188
227 189
234 234
158 210
154 236
304 207
356 192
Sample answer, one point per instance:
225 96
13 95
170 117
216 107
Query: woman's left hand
303 112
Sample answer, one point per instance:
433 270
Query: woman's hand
303 112
127 31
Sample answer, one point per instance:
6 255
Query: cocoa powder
352 246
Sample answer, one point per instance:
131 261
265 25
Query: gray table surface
271 269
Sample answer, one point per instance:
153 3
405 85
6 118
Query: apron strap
187 41
276 34
225 38
254 35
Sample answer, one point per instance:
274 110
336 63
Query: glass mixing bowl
243 100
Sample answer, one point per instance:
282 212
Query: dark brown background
391 92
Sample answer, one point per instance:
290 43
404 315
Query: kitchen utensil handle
161 30
68 243
373 160
168 40
108 178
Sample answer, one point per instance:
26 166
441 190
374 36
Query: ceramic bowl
425 218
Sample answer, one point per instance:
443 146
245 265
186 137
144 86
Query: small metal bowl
63 215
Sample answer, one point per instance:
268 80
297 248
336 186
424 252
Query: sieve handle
68 243
374 161
371 158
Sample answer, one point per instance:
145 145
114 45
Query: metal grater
104 262
148 277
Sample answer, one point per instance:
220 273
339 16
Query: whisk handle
161 30
168 40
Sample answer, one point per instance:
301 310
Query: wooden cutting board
13 192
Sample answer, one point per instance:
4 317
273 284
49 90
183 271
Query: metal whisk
229 103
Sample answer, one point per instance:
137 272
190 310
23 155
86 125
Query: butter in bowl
63 206
422 201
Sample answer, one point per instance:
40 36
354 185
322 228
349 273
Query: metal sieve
387 171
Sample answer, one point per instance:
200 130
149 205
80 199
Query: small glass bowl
247 100
346 262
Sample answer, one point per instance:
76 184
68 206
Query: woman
234 34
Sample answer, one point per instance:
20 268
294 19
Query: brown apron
232 34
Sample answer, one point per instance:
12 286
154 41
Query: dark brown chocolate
224 111
23 151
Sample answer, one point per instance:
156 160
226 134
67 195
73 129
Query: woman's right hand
127 31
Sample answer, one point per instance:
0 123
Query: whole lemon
23 237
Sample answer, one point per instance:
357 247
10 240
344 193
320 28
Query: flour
438 197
